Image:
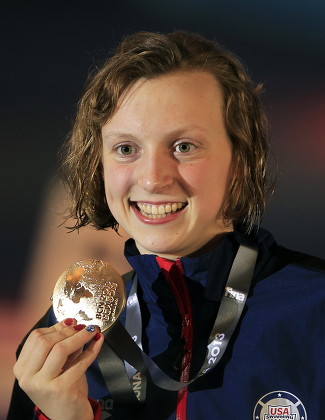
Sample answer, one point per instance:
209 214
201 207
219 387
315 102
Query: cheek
204 179
117 182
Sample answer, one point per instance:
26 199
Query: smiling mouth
158 211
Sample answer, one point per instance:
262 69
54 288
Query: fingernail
97 336
68 322
91 328
79 327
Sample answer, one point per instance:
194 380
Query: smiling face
167 163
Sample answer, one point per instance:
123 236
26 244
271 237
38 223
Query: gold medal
92 292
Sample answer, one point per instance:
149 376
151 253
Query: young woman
170 143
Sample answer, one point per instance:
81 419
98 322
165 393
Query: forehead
167 81
184 96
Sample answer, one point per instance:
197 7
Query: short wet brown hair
148 55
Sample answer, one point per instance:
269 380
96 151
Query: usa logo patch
279 405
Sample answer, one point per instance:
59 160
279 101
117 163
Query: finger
68 322
82 363
30 342
71 358
38 346
75 356
59 354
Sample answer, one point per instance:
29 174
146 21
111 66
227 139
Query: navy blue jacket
274 364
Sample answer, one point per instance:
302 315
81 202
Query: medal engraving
92 292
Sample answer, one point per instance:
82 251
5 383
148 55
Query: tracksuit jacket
274 365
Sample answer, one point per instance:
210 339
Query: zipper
174 273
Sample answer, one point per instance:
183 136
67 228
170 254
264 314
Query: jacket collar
210 269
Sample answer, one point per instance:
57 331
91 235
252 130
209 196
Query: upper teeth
159 210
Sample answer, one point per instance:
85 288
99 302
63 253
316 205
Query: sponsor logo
279 405
234 294
136 385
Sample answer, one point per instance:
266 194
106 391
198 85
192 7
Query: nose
156 172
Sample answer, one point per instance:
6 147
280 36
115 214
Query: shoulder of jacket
300 258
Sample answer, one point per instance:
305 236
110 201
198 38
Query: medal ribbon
126 341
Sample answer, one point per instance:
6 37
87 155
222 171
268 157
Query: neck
196 253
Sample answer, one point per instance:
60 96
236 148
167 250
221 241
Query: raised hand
51 369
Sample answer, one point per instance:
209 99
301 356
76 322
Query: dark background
48 48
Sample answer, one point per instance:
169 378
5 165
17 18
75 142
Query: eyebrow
116 135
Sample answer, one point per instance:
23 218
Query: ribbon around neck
126 341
